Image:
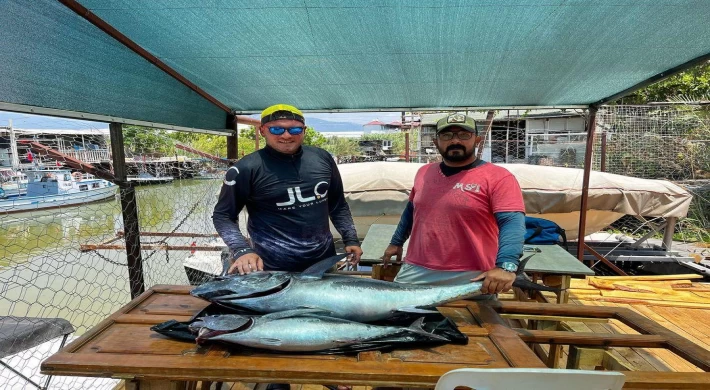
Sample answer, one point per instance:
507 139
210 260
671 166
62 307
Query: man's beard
460 153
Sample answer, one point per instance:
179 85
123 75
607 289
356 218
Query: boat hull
24 203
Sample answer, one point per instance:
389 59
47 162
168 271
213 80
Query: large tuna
341 296
304 330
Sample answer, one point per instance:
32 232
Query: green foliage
692 82
314 138
140 140
341 146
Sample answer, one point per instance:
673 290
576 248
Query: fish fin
413 309
318 269
270 341
292 313
417 328
522 263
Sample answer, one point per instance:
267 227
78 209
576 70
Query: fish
303 330
341 296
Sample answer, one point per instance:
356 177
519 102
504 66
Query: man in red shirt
465 217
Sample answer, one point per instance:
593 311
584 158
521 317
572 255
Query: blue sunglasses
275 130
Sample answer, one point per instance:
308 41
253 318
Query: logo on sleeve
231 182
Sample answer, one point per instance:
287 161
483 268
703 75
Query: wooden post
406 146
591 124
232 140
129 209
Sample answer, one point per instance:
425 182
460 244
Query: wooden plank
665 380
679 345
590 339
380 272
584 358
169 305
651 277
516 353
553 318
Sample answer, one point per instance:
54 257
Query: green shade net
359 54
53 58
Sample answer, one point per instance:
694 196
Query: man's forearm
404 228
229 231
511 226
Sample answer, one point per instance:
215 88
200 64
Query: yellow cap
281 111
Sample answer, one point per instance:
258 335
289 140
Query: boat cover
382 188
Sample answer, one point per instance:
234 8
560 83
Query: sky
30 121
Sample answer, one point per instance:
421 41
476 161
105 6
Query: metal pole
668 232
591 124
129 208
603 155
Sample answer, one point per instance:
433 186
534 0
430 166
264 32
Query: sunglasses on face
275 130
449 135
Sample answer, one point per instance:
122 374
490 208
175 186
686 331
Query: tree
140 140
694 82
341 146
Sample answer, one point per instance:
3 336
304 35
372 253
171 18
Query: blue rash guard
511 225
290 199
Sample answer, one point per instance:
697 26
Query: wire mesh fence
62 236
67 258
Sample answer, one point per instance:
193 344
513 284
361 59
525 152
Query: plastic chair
530 379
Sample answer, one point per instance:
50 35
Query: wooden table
123 346
553 264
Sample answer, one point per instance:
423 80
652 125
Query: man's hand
392 250
246 264
496 280
356 252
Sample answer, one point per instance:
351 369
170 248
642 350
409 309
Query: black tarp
20 333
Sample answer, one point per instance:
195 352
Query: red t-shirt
454 227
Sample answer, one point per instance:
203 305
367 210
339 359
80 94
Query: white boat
57 188
145 178
12 183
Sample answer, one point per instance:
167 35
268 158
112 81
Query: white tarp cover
382 188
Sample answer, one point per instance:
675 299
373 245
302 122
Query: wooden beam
129 212
515 352
589 339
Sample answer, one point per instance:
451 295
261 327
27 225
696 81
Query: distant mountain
321 125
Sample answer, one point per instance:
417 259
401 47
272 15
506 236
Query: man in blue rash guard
464 219
290 191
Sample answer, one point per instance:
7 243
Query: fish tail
417 328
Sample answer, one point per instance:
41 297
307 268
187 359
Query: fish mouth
258 294
204 334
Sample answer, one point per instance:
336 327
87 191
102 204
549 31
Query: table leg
143 384
565 282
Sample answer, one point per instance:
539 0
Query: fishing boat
57 188
12 183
